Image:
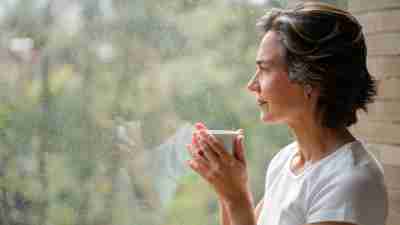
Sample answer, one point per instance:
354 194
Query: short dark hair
325 47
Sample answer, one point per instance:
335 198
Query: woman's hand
226 173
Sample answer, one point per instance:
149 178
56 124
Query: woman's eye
262 68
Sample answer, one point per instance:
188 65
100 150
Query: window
98 98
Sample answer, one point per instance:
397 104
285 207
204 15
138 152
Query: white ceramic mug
227 137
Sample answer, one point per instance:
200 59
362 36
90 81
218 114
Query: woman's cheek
266 87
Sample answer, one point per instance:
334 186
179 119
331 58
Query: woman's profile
311 75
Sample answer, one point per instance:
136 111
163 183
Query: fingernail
199 125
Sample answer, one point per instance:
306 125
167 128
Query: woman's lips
261 102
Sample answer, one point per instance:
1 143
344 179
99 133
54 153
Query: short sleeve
357 198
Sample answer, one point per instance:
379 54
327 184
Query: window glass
99 98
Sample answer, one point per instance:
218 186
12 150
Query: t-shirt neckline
308 165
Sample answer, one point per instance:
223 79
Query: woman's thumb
239 147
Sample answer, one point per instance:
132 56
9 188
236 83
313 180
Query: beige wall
381 126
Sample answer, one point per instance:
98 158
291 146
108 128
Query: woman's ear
308 89
312 93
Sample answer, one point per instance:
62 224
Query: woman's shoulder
353 163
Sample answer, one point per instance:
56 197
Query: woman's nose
252 85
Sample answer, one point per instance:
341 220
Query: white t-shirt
345 186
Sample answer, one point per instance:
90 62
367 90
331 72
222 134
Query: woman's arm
224 217
258 208
241 211
225 172
223 213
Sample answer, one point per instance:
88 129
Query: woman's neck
315 142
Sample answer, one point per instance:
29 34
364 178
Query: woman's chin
266 115
268 118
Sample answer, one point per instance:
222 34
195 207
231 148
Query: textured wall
381 126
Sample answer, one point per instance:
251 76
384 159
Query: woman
311 75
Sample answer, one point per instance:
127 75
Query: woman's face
280 100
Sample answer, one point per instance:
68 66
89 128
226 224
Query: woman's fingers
198 163
208 140
239 148
200 126
216 146
196 154
197 160
194 142
191 151
199 168
208 152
